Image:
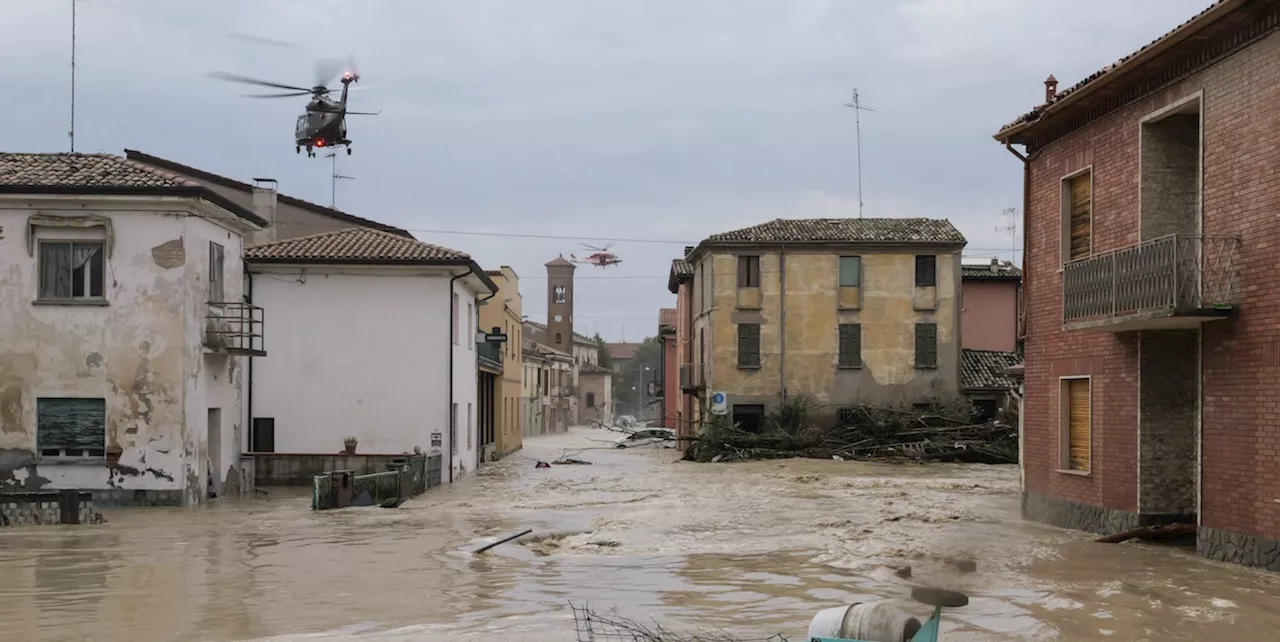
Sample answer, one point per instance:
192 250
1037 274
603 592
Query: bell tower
560 304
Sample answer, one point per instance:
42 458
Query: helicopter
600 257
325 122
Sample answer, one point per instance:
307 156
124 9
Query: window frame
217 273
917 362
744 360
72 299
456 322
1064 425
559 294
932 280
840 263
1064 215
748 271
841 362
63 457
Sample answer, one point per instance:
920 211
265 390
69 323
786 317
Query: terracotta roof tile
1004 271
84 170
986 370
591 368
353 244
622 350
852 230
682 267
667 318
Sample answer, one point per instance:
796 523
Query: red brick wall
670 383
1240 415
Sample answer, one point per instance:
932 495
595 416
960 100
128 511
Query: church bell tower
560 304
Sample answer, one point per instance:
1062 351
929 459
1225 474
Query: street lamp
640 392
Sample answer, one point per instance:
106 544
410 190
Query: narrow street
756 548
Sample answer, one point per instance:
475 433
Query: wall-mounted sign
495 338
719 404
436 440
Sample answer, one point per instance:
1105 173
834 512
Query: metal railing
489 353
235 328
1177 273
692 377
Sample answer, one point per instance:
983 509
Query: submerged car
664 437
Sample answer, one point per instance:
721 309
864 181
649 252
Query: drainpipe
1026 206
782 321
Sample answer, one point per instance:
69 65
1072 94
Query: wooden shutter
926 345
748 271
1079 427
748 344
850 345
926 271
1081 217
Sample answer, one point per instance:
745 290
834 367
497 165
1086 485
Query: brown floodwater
752 548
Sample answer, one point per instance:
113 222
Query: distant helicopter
601 256
325 122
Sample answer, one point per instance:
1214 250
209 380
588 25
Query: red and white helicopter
600 256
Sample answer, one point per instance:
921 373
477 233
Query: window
456 312
472 326
748 417
1077 196
559 339
926 345
850 345
926 271
217 260
263 437
453 429
560 294
748 271
71 270
71 428
748 345
591 400
846 415
1076 424
850 271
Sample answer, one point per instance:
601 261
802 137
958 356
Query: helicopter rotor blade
222 75
262 41
363 113
327 70
284 95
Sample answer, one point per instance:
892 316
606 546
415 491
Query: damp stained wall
887 305
142 351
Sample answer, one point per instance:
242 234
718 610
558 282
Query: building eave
198 193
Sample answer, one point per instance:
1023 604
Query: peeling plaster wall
890 307
140 352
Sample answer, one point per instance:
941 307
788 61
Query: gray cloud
638 119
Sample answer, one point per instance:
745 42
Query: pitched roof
986 370
1002 271
1118 68
591 368
622 350
354 244
681 270
560 261
667 319
208 177
102 174
577 336
533 347
844 230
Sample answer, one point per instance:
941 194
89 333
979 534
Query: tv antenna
1010 228
857 127
334 177
72 132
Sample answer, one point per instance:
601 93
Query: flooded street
756 548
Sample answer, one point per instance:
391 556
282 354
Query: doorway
213 448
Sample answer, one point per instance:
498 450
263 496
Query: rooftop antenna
72 132
334 178
857 127
1011 228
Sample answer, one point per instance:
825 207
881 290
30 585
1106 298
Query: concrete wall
989 316
141 350
887 305
361 353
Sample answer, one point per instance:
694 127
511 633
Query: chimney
687 250
995 264
264 205
1050 88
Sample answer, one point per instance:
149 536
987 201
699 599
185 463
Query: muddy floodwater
753 548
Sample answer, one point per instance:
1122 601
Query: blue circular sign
717 397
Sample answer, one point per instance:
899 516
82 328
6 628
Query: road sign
719 404
500 337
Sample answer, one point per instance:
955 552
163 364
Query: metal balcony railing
489 353
235 328
1182 275
691 377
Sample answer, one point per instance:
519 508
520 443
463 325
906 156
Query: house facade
669 394
534 398
553 394
690 380
1150 350
124 335
843 310
503 314
989 306
379 345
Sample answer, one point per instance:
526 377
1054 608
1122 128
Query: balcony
234 329
489 355
1167 283
691 377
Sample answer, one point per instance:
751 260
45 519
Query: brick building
1150 316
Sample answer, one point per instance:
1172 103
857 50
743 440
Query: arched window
559 294
558 338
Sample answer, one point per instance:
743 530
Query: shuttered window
1080 216
748 271
217 262
71 428
748 345
1079 424
850 271
850 345
926 271
926 345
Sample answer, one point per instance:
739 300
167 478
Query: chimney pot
1050 88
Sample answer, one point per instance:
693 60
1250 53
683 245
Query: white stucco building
123 331
373 338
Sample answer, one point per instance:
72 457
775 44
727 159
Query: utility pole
334 178
1011 228
857 128
72 132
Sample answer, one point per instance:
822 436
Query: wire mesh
593 626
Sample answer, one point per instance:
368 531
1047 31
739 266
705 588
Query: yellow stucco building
504 312
844 310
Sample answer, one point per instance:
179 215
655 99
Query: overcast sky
655 122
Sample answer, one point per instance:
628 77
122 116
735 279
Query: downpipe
1022 313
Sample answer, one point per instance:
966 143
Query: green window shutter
926 270
926 345
850 271
748 345
850 345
